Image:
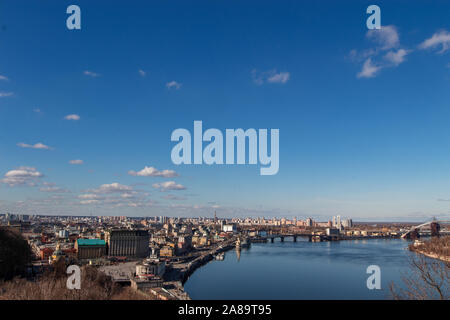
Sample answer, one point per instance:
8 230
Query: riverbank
180 272
436 248
203 260
433 255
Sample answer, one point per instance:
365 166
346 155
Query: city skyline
87 115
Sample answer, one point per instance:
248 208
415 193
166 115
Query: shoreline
194 265
183 274
432 255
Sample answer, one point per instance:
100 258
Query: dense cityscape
156 255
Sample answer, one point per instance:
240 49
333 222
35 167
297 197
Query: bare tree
95 285
428 280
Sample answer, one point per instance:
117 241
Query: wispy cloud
153 172
281 77
369 70
4 94
53 189
91 74
3 78
90 196
169 185
89 201
387 37
173 197
142 73
73 117
76 162
115 195
272 76
112 188
173 85
396 57
38 145
386 52
438 39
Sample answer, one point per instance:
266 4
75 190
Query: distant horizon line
364 221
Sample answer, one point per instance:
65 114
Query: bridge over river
419 230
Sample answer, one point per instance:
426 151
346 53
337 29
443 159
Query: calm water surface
302 270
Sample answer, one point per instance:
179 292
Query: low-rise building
46 252
229 228
167 251
142 284
150 267
90 248
332 232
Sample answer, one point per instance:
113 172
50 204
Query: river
302 270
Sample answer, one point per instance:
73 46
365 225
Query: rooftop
91 242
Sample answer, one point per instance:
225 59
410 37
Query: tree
428 280
15 254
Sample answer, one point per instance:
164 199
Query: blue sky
363 116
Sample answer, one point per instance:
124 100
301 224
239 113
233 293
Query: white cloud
127 196
386 53
37 110
4 78
153 172
5 94
53 189
38 145
105 195
387 37
396 57
90 196
21 176
112 188
169 185
281 77
142 72
173 85
89 201
272 76
74 117
369 69
78 161
441 38
91 74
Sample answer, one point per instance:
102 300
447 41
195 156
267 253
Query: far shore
433 255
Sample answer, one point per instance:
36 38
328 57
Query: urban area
152 257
